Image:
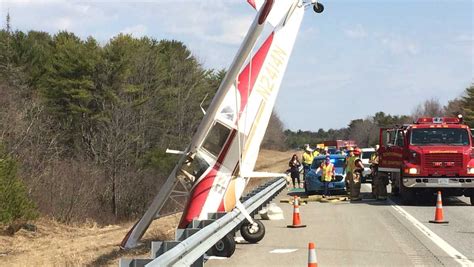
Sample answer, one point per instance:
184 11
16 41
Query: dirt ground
55 244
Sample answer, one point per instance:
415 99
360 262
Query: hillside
55 244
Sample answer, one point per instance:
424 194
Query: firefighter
380 182
307 159
358 167
327 174
349 167
374 165
315 152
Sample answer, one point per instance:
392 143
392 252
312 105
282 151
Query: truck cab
433 154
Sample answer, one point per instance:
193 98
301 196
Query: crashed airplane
215 168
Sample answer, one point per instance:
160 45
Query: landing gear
252 233
224 247
318 7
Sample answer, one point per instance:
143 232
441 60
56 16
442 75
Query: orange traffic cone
439 211
312 260
296 215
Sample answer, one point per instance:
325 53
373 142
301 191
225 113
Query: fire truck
338 144
433 154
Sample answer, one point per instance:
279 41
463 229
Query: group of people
353 168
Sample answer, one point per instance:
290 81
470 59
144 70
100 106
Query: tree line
87 125
366 131
84 127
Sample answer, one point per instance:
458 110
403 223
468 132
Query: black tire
472 200
318 8
407 196
224 247
245 231
395 190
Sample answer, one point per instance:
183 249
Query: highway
365 233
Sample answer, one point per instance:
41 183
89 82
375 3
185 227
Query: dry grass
56 244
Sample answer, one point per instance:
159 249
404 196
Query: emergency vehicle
433 154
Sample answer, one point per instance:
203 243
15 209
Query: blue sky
355 59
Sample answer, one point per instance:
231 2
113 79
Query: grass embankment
55 244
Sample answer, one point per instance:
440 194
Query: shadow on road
368 199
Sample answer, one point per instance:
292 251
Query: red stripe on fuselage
201 190
245 84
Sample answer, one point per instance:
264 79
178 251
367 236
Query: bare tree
429 108
274 136
453 108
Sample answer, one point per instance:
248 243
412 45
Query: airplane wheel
252 234
318 8
224 247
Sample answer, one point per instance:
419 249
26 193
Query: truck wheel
407 196
224 247
252 234
395 190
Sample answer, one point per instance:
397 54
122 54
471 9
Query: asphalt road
366 233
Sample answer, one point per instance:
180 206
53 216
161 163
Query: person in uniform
380 182
327 174
348 167
307 159
357 170
316 152
374 165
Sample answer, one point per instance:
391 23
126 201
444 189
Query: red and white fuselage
242 117
215 167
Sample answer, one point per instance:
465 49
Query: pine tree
14 202
68 86
468 106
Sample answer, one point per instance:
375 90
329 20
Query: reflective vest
327 171
315 153
350 163
374 159
307 158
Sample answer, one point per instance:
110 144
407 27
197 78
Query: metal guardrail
191 250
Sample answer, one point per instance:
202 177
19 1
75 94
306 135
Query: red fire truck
338 144
433 154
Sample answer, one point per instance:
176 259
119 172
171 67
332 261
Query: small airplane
213 171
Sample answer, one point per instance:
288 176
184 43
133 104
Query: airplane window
216 139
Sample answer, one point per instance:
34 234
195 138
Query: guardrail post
200 236
134 262
160 247
216 215
199 262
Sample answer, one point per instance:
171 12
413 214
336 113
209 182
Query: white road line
289 250
452 252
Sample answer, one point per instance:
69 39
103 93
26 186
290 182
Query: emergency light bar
438 120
